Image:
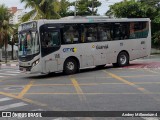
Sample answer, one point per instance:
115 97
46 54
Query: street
132 88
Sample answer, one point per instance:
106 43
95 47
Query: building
17 15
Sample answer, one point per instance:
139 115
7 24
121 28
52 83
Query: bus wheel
123 59
70 66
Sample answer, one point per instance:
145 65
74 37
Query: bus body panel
92 53
88 55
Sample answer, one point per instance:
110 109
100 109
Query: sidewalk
11 63
155 51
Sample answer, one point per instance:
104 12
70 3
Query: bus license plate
24 69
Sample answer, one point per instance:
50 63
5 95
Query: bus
75 43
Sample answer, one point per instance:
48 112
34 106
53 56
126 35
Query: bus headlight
35 63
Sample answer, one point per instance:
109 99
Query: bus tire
122 59
70 66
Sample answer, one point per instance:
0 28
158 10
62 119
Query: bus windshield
28 43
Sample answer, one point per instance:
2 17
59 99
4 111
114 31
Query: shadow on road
61 74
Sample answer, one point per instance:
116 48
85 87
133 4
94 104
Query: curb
155 51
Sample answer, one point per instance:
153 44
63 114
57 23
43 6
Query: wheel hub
70 65
123 59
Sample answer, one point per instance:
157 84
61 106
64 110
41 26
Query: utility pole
12 39
92 7
75 7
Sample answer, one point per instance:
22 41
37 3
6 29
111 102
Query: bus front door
50 47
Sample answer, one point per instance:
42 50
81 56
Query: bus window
138 30
70 34
104 32
91 32
51 39
83 33
120 31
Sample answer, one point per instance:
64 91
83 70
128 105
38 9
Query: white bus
74 43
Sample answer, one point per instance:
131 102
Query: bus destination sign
30 25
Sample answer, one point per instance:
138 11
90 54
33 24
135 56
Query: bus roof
87 19
92 19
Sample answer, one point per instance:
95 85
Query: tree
93 4
13 39
154 3
155 21
131 9
64 8
41 9
140 8
5 29
87 7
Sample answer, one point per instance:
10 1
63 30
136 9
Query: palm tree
41 9
5 28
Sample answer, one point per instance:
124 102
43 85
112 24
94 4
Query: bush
156 39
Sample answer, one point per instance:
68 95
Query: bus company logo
102 47
70 50
93 46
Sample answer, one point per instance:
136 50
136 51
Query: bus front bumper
30 70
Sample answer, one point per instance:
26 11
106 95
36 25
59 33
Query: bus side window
139 29
83 33
51 39
70 34
120 31
104 32
91 33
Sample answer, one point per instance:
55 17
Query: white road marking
12 72
15 105
13 65
61 119
8 74
38 110
5 99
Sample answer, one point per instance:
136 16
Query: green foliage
156 39
87 7
157 18
93 4
153 3
64 8
139 9
131 9
41 9
5 28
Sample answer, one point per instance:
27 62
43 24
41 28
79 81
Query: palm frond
28 16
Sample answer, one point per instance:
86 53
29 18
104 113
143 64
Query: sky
101 10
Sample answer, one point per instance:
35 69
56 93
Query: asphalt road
132 88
